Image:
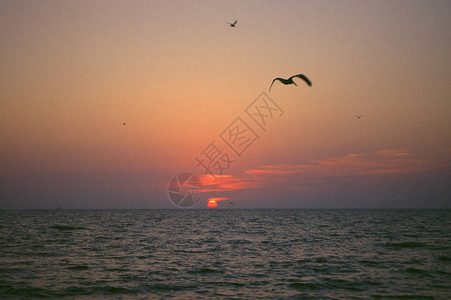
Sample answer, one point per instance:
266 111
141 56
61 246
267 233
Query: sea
225 254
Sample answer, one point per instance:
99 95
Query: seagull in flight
290 80
232 24
359 116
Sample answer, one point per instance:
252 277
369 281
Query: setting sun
225 149
212 204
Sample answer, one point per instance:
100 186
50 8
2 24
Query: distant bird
290 80
359 116
124 123
232 24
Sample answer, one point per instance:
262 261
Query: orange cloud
355 166
222 183
376 163
393 153
274 169
216 199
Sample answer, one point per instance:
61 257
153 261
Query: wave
405 245
66 227
78 268
204 271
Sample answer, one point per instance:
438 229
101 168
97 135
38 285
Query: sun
212 204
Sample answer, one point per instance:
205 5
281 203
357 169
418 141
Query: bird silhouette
124 123
359 116
232 24
290 80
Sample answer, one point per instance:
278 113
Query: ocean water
225 254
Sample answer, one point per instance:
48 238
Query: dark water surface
228 254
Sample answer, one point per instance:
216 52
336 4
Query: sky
194 94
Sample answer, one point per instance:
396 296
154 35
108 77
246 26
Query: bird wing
234 23
273 82
303 77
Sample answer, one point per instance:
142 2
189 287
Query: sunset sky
71 72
